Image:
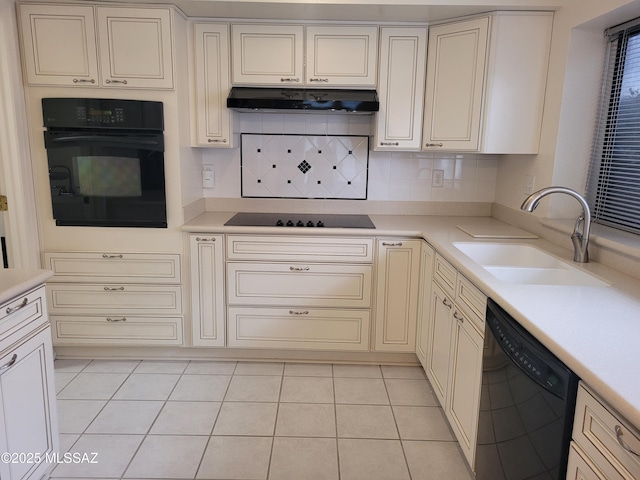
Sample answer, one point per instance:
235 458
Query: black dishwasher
526 405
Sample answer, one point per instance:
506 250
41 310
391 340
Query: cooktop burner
246 219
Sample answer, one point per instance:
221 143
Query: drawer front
303 249
299 284
129 330
601 435
445 274
314 329
113 267
472 302
579 468
26 312
114 299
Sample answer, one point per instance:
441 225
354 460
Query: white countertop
14 282
594 330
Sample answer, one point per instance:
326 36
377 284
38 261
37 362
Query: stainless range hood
303 100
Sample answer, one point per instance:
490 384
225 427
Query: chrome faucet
580 240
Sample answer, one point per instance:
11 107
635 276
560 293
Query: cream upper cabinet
97 46
485 83
267 54
59 45
135 47
401 88
212 83
398 278
341 56
276 55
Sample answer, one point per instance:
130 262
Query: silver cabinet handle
108 81
391 144
9 364
17 307
113 289
299 269
291 79
216 140
201 239
298 312
434 144
392 244
458 317
83 80
622 443
324 80
447 304
105 255
123 319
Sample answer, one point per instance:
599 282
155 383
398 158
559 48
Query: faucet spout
580 235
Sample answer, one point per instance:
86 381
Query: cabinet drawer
295 284
445 274
113 267
304 249
601 435
579 468
315 329
129 330
471 301
28 312
115 299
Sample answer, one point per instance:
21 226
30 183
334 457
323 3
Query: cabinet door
59 45
28 420
396 295
207 290
213 119
267 54
463 400
401 88
455 75
342 56
424 302
579 468
439 347
135 47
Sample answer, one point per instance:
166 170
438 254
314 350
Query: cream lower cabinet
206 260
95 46
454 353
290 292
28 418
115 298
605 446
398 124
396 300
485 84
211 84
427 254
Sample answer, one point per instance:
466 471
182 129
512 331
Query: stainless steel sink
526 264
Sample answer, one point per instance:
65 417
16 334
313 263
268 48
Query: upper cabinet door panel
267 54
59 45
455 75
135 47
342 56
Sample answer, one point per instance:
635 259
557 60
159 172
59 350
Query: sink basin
526 264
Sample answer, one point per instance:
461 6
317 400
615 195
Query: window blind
613 189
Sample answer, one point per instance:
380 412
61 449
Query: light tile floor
251 421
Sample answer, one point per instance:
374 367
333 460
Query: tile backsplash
304 166
392 176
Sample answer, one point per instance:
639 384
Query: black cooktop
246 219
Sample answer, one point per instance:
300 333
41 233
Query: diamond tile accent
300 166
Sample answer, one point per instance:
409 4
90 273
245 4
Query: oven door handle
108 139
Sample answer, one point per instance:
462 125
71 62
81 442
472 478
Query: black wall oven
106 162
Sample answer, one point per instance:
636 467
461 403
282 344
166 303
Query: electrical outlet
208 179
529 182
437 180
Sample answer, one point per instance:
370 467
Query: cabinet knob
391 244
299 269
324 80
113 289
216 140
389 144
298 312
446 303
106 255
108 81
84 80
434 144
458 317
123 319
9 364
201 239
296 80
622 443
